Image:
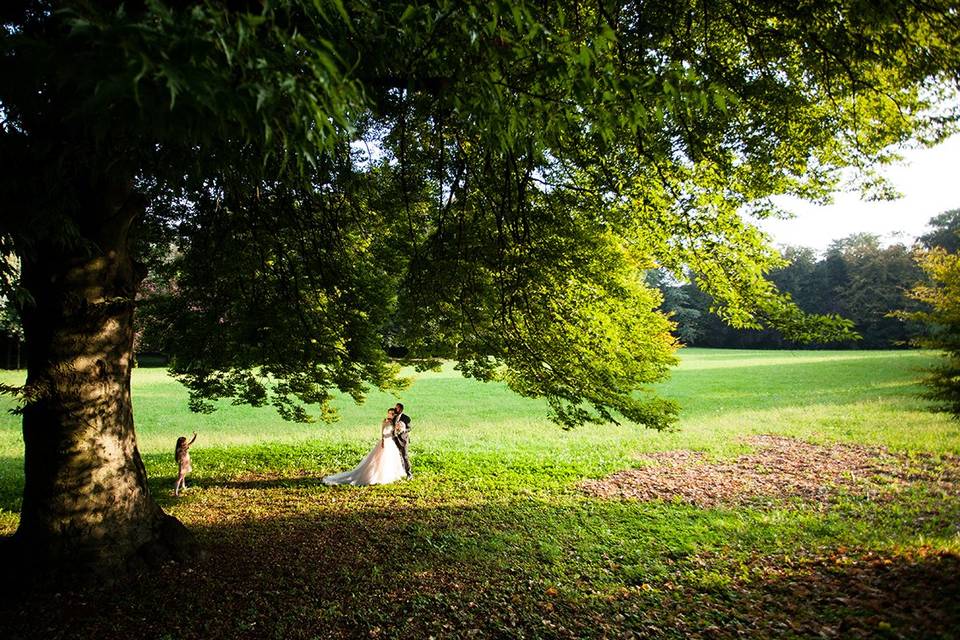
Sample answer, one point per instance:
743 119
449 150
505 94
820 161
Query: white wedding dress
381 466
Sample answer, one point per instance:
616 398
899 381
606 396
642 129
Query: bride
381 466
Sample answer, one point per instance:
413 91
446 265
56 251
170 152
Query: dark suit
403 439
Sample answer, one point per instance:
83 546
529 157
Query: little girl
182 455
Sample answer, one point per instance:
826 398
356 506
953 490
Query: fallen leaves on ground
845 593
778 469
285 557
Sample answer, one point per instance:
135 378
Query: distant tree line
857 278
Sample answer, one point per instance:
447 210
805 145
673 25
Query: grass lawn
493 537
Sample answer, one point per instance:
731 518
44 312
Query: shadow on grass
283 465
11 483
306 481
508 568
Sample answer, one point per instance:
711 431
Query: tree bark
87 510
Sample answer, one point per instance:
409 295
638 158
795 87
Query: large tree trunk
87 509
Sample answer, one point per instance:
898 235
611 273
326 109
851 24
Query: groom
401 431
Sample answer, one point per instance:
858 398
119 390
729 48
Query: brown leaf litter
780 468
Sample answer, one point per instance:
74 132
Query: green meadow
493 538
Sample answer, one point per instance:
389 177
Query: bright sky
929 180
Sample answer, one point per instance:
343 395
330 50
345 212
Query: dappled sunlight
302 560
492 533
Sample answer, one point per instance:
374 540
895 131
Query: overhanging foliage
486 181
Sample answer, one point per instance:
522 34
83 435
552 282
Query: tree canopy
485 181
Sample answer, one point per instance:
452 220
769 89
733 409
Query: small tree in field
485 179
942 294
